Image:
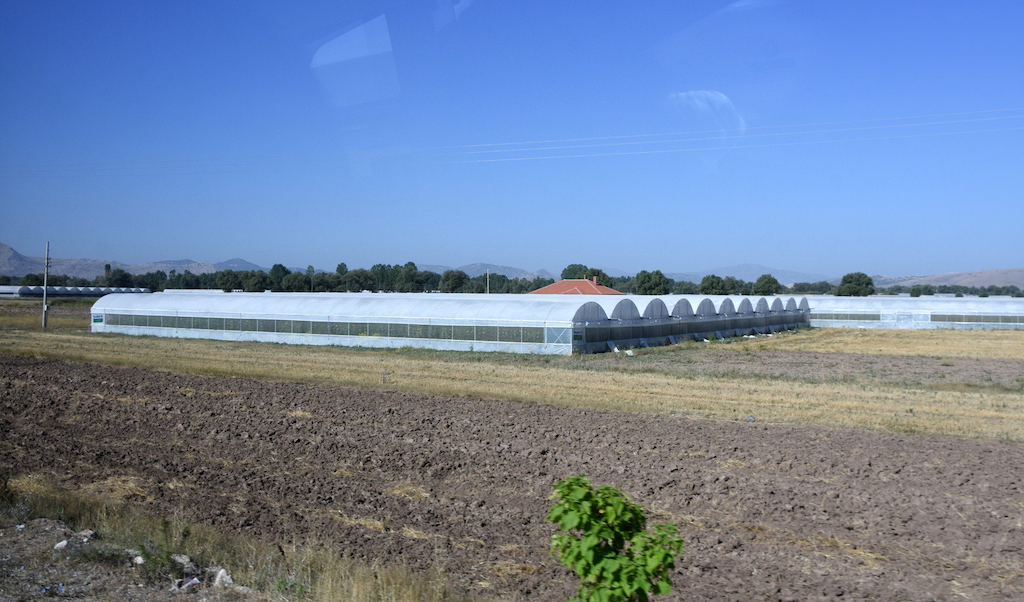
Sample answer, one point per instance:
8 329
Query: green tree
295 282
384 276
651 283
229 280
256 282
856 284
154 281
602 278
357 280
408 280
574 271
277 274
712 285
119 278
453 281
31 280
602 537
325 281
341 270
429 281
685 287
821 288
766 284
735 286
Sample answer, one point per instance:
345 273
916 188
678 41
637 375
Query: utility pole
488 281
46 274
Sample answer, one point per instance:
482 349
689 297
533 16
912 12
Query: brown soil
769 512
903 371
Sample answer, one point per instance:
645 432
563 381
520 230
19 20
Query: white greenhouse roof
415 306
372 306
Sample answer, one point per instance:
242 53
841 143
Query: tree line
656 283
381 277
408 278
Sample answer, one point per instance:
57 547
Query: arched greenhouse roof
383 307
372 306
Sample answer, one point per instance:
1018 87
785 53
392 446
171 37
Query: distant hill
1006 277
478 269
240 265
14 264
750 272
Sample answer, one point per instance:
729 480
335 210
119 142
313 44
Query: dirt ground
903 371
769 512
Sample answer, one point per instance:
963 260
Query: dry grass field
959 383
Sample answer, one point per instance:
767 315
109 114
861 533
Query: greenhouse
65 291
545 324
927 312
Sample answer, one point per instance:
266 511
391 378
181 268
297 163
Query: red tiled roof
575 287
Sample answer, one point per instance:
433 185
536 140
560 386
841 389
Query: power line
682 150
687 133
799 133
279 164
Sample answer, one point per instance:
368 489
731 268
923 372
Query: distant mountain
14 264
1006 277
240 265
479 269
750 272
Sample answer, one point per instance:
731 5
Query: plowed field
769 512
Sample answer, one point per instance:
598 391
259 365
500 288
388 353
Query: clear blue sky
823 137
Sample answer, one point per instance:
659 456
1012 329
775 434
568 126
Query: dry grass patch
503 569
830 542
35 323
407 489
979 344
117 489
371 524
417 534
31 485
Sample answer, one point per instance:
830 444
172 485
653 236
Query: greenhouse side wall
550 338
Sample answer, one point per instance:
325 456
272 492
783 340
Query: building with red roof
572 286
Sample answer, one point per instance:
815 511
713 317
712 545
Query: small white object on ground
60 546
223 579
